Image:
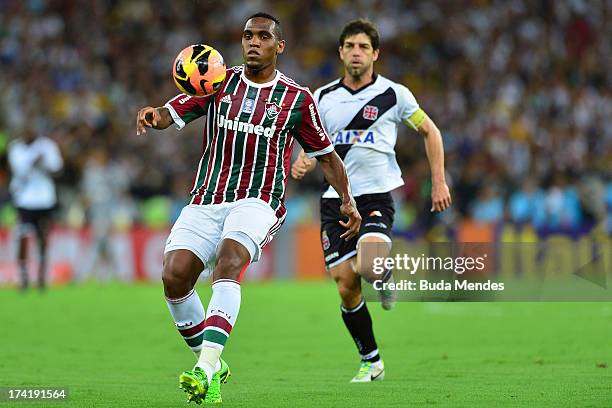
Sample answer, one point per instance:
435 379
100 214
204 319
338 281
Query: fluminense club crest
272 110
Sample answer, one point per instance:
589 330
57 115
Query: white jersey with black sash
362 125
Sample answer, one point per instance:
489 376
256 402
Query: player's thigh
252 223
372 249
43 222
375 233
197 230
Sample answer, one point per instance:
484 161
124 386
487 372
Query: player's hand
147 117
299 168
440 197
302 165
349 209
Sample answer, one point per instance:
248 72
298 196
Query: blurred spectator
526 205
104 185
489 206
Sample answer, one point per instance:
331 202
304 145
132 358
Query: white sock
189 317
223 310
209 361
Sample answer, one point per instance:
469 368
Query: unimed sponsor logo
239 126
313 117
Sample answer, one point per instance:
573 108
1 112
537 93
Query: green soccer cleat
195 384
213 396
369 372
224 372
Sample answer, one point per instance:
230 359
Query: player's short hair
359 26
277 30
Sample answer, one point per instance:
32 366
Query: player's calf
350 295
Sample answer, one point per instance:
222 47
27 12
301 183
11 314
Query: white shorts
201 228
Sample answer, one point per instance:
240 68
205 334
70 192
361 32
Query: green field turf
116 346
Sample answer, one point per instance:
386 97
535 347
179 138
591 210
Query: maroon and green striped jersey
248 137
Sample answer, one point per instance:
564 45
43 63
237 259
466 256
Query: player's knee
366 272
176 271
228 266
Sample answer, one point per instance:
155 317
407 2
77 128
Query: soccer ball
199 70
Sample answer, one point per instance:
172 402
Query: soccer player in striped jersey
237 197
361 111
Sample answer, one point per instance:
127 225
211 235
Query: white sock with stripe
223 310
189 317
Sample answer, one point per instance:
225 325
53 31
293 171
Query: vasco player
361 112
237 197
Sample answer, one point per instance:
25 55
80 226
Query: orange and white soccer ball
199 70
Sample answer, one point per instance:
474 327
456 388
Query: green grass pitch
116 346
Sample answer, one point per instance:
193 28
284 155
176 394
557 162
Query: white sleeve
406 103
52 158
19 161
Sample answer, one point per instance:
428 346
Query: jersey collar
356 91
264 85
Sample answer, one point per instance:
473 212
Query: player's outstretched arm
302 165
156 118
440 194
335 174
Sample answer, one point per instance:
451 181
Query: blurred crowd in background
521 90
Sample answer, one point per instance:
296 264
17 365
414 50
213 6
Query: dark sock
23 271
41 273
359 324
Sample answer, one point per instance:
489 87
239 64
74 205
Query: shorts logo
272 110
325 240
248 105
331 256
370 112
375 213
376 224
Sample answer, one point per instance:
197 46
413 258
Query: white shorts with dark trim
201 228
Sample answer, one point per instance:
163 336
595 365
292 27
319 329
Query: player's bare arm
150 117
440 194
302 165
335 174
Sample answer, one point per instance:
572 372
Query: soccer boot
213 396
195 384
224 372
387 297
370 372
